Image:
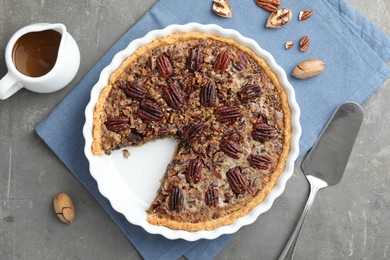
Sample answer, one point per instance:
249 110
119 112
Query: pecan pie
227 111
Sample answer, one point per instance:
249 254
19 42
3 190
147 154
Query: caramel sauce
35 53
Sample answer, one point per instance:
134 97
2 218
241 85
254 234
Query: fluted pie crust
243 81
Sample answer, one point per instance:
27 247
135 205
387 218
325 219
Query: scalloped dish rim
105 182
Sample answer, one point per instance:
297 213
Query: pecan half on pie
227 111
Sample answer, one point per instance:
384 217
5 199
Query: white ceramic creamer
40 57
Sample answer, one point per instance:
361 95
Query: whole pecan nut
249 92
176 199
194 59
172 96
212 197
308 68
268 5
164 65
194 172
208 95
117 123
228 113
236 180
259 161
222 61
304 43
135 91
63 207
193 132
264 132
150 111
231 148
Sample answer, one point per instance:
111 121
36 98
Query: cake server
325 163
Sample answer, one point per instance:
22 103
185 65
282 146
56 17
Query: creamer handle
8 86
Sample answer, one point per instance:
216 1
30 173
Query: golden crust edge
232 217
98 121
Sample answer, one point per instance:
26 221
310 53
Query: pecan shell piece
288 45
259 161
194 172
117 123
150 111
193 132
222 62
279 18
264 132
228 113
231 148
236 180
172 96
135 91
208 95
249 92
304 15
176 199
194 59
164 65
222 8
212 197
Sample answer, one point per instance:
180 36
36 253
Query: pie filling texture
223 105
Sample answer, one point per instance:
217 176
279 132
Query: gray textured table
348 221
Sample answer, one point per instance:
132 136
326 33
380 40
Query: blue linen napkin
355 53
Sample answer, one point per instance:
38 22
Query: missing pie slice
224 106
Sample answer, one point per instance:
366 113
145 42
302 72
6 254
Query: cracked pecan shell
208 95
211 197
193 132
231 148
117 123
176 199
194 172
63 207
164 65
222 8
172 96
236 180
264 132
279 18
150 111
